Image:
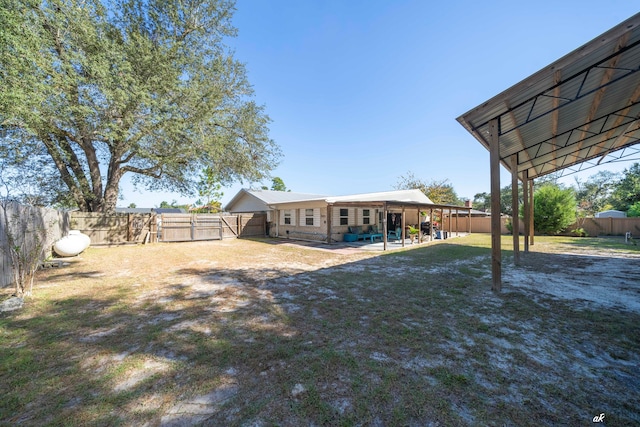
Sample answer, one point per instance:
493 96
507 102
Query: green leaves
627 191
439 192
554 207
146 88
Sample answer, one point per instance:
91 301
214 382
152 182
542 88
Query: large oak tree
91 90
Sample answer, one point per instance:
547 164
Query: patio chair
395 235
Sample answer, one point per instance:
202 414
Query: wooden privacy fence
30 227
608 226
188 227
478 224
113 229
593 226
123 228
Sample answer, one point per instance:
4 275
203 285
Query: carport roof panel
584 106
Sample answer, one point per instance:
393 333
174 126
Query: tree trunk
111 192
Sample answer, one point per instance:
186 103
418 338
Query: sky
362 92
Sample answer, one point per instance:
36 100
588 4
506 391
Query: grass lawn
261 333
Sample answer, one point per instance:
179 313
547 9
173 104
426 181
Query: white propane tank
72 244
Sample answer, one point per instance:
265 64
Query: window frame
309 215
344 219
366 219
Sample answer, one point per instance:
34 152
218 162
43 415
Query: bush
580 232
555 209
634 210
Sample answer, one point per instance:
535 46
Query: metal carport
581 111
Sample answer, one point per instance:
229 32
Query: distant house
328 218
134 210
473 212
168 210
611 214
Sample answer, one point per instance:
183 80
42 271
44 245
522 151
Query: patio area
397 244
365 245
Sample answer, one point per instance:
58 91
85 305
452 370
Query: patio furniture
395 235
350 237
356 233
376 235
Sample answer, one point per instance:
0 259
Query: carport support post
494 164
430 224
403 222
515 209
329 222
531 213
527 217
384 226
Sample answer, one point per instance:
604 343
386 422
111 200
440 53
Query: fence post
129 227
152 228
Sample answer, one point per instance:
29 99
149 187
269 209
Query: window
366 215
344 216
308 215
288 217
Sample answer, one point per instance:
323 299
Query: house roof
269 197
274 197
578 112
399 196
611 213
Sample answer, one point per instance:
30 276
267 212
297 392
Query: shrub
555 209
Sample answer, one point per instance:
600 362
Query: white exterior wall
248 203
298 229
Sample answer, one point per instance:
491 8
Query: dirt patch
588 277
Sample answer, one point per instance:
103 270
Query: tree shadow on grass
408 337
109 360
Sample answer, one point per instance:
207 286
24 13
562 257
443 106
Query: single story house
262 201
329 218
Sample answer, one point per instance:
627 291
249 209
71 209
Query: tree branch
152 172
74 185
